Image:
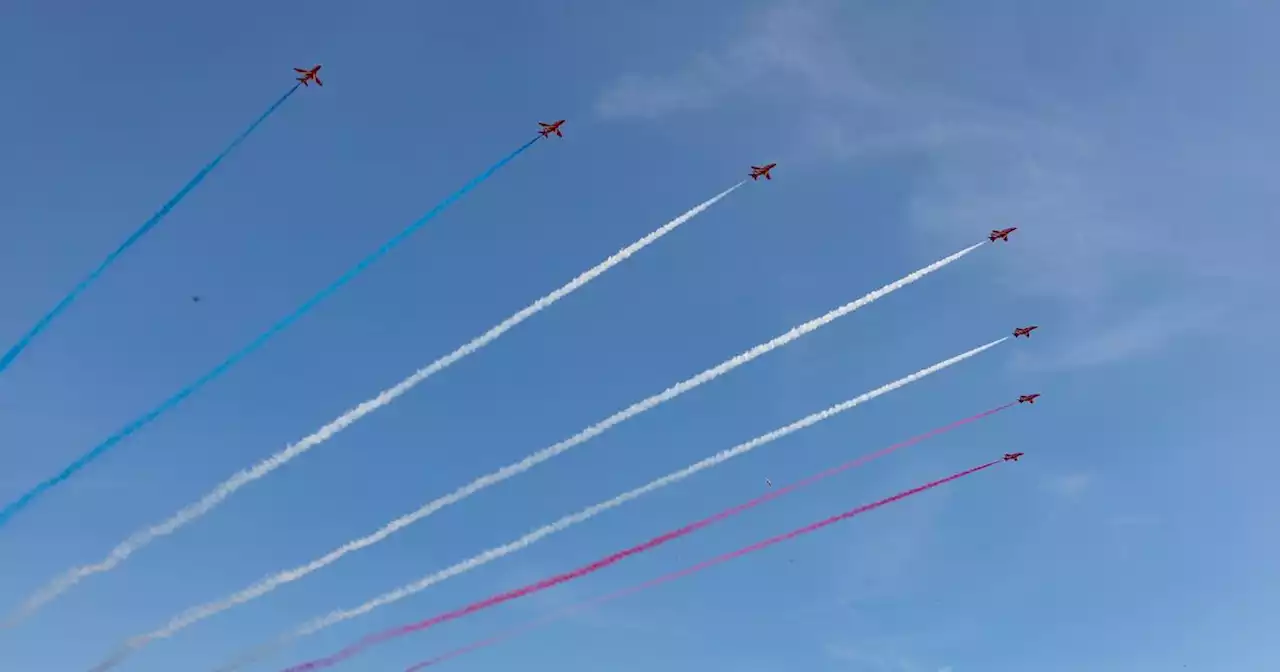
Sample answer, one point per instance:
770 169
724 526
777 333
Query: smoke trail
244 477
592 511
575 608
271 583
134 237
168 404
378 638
595 510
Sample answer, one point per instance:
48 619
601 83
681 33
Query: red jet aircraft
758 172
1001 234
1012 457
310 76
1028 398
1025 331
548 129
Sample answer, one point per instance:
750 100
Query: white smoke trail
590 512
272 582
593 511
228 487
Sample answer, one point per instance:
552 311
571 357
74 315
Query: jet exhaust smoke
170 403
378 638
575 608
228 487
493 478
590 512
134 237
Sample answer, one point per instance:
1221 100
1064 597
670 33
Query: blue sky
1130 142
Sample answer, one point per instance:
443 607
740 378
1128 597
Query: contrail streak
270 583
228 487
592 511
137 235
585 604
572 609
378 638
110 442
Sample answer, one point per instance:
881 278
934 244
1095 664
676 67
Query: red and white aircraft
1025 331
1012 457
548 129
1028 398
311 75
1001 234
758 172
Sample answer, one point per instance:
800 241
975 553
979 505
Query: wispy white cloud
1131 520
1130 532
1141 333
901 552
1124 211
880 655
867 660
1070 485
785 43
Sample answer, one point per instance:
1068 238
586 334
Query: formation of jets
757 172
310 76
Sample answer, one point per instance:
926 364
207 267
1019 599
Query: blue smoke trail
66 301
80 462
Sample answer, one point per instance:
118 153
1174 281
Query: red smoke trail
567 611
535 624
554 616
598 565
572 609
